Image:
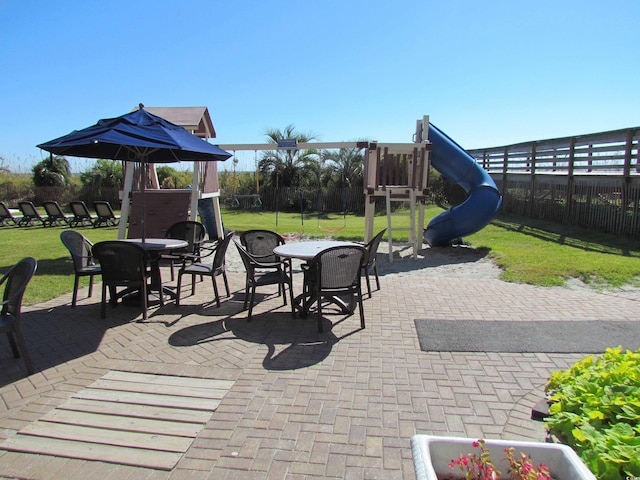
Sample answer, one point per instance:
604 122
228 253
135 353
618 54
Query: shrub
595 408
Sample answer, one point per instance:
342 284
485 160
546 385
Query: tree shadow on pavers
60 334
292 343
429 257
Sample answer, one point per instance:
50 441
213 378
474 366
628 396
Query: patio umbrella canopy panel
138 136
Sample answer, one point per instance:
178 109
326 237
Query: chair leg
75 291
178 289
90 285
193 284
215 290
375 270
360 306
253 293
14 345
144 299
293 307
319 313
246 295
23 350
368 281
226 283
103 302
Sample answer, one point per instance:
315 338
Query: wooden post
124 211
532 183
570 174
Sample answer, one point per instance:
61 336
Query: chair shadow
292 343
60 334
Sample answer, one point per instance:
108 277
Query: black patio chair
84 264
6 216
216 268
194 233
260 244
257 277
81 215
105 214
372 251
30 215
16 281
55 215
333 273
123 264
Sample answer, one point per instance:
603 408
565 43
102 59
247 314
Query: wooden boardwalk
143 420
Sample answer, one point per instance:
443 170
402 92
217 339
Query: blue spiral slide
483 200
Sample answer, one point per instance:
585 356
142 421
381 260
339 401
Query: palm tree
52 172
282 168
343 168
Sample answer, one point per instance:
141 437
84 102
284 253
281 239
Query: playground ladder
402 194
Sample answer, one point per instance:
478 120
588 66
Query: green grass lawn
547 253
528 251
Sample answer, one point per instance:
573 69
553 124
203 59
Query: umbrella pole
144 184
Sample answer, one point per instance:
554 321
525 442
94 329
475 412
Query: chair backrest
80 209
192 232
221 251
260 243
53 209
372 246
16 281
79 247
103 209
4 211
339 267
121 262
28 209
248 261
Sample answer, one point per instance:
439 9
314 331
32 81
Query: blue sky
487 73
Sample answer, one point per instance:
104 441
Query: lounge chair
6 216
105 214
30 215
55 215
81 215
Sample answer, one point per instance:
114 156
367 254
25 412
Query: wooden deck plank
168 380
90 451
136 411
118 422
149 399
165 443
176 390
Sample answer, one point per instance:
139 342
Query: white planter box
433 454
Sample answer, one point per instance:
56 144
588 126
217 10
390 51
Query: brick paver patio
342 404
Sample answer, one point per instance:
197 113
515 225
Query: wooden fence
289 199
591 181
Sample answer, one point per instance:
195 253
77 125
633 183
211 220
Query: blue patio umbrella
138 136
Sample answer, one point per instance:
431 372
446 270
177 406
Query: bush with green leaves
595 408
